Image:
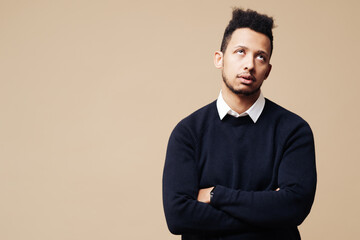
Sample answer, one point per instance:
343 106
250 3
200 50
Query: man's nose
249 63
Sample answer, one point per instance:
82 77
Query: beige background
90 91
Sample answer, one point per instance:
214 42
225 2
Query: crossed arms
188 209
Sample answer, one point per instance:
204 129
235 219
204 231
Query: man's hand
204 195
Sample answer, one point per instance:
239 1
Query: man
241 167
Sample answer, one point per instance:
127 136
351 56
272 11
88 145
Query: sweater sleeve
297 183
184 214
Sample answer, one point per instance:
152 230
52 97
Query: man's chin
245 90
242 92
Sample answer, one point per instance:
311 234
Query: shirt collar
254 111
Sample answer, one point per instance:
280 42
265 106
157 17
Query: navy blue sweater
247 162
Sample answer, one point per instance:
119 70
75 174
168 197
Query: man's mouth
246 78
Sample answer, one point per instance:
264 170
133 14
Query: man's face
245 63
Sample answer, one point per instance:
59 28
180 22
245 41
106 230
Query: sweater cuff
219 192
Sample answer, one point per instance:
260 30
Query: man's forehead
246 37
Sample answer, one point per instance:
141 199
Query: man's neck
239 103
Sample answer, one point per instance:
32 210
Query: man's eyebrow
263 52
240 46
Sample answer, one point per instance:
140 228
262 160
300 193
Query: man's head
245 53
248 19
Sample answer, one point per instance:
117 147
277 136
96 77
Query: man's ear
219 59
268 71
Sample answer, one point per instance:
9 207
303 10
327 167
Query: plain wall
90 91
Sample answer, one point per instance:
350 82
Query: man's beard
239 92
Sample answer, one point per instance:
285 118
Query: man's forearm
205 194
264 208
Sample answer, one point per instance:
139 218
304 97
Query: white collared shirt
254 111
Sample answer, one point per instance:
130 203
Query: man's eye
262 58
240 51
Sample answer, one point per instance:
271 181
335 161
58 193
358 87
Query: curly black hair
248 19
